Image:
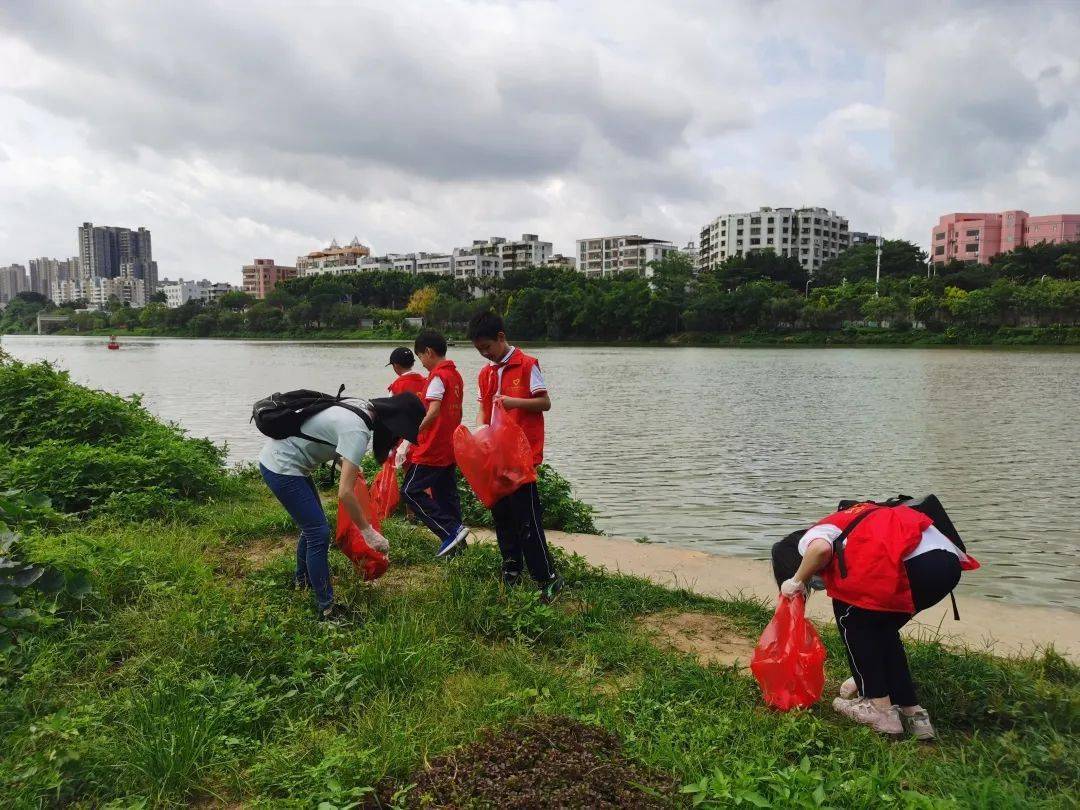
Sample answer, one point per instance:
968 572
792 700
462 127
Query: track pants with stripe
441 510
519 529
875 651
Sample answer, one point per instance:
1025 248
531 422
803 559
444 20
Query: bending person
893 564
287 465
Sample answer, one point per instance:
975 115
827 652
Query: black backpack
281 415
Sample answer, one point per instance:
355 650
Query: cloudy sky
242 129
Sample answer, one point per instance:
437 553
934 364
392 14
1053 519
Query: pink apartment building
980 237
263 275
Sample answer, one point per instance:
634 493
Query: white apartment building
179 292
811 235
436 264
470 266
402 262
610 255
333 260
515 254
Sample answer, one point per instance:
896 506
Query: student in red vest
514 379
894 563
408 381
431 460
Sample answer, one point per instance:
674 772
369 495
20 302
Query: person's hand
375 540
792 588
508 403
402 454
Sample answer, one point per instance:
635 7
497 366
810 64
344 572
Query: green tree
236 300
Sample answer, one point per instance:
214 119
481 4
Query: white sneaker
918 725
848 689
861 710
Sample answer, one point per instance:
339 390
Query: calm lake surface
721 449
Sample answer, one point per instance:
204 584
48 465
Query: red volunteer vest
874 556
435 447
516 377
409 383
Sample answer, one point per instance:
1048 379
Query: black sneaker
336 615
550 590
511 575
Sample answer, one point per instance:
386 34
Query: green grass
190 674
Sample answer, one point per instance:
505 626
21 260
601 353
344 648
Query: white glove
402 452
792 588
375 540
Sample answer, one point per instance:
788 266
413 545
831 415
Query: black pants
519 529
872 637
440 511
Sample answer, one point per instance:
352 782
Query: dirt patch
713 639
546 762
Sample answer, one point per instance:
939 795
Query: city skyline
535 117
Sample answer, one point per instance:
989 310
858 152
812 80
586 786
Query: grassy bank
187 674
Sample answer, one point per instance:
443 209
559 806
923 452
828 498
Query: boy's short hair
486 324
430 339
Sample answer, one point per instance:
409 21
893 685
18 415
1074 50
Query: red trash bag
385 494
789 659
369 563
496 460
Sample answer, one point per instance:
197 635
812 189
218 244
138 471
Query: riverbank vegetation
166 664
1027 296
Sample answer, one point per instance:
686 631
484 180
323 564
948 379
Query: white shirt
435 389
347 433
932 540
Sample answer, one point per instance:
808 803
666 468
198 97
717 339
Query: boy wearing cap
430 486
514 379
408 381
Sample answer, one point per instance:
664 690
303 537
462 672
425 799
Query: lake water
721 449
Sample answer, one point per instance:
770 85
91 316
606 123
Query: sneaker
336 615
861 710
511 575
551 589
452 542
848 689
918 725
296 583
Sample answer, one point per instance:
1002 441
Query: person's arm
535 404
347 494
433 408
817 556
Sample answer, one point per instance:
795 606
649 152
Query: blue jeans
298 495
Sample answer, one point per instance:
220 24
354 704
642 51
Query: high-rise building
863 238
107 251
811 235
980 237
47 274
610 255
262 275
13 280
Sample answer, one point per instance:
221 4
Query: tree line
761 293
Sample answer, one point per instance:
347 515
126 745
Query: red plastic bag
496 460
789 659
385 494
369 563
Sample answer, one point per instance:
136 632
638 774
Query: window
738 232
974 232
738 222
939 250
755 220
817 231
770 221
771 230
755 241
972 248
755 231
939 235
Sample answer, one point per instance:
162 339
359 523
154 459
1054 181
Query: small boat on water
113 343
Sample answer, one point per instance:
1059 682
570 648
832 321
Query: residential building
862 238
402 262
333 260
529 251
559 260
437 264
609 255
979 237
98 291
262 275
811 235
470 266
691 252
107 251
13 280
179 292
46 274
213 290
